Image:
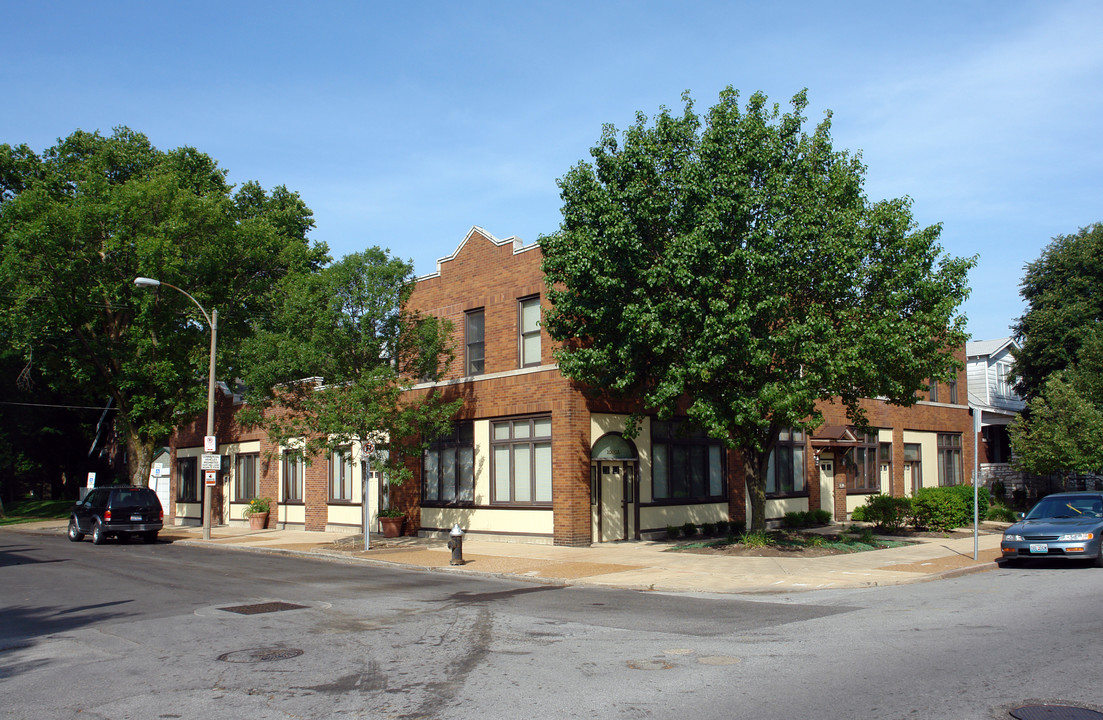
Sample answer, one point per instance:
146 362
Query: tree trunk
754 475
139 459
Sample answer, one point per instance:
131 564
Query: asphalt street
137 631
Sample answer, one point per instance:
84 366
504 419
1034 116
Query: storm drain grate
1055 712
258 608
258 655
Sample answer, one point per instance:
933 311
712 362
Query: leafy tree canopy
732 262
80 221
1063 289
1061 432
347 326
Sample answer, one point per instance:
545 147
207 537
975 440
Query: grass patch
26 511
797 541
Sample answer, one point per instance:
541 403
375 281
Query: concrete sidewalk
642 565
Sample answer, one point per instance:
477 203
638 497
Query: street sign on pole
210 478
210 444
211 462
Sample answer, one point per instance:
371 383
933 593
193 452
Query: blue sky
404 124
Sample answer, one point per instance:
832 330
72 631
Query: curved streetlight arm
212 321
150 282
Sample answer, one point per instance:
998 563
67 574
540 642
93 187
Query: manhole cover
258 608
1054 712
258 655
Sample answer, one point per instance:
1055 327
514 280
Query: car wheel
151 536
1099 557
99 537
75 535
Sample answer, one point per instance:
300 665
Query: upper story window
786 470
448 467
529 324
1003 380
933 395
474 342
687 465
951 389
245 476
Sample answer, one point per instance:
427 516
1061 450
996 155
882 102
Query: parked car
117 511
1065 525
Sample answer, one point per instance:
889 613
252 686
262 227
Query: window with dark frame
863 467
933 396
785 473
952 388
448 468
686 464
529 324
340 475
187 483
474 342
521 471
245 476
949 459
292 464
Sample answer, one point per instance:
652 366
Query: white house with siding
993 399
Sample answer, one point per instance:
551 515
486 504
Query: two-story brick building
532 457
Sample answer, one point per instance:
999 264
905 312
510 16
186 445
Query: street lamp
212 320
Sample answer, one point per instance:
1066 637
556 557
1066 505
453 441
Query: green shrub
708 529
736 527
672 532
815 541
819 516
795 519
937 510
756 539
866 536
965 492
1001 513
859 514
888 513
689 529
999 490
722 527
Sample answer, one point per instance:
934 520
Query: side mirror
1021 515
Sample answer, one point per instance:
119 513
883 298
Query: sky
405 124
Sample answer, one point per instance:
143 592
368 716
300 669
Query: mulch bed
791 543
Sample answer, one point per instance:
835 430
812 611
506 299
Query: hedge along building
535 457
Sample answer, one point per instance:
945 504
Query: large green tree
1062 289
1061 431
346 328
732 268
80 221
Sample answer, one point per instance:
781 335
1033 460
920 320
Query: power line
66 407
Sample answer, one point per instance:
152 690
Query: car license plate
138 518
1039 548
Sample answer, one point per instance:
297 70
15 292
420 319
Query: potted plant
256 512
391 519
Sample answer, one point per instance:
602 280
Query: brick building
532 457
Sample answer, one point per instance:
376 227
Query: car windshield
1058 507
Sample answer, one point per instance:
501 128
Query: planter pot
257 521
392 526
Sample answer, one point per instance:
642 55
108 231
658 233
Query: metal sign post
366 450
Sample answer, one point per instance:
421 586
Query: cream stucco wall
928 455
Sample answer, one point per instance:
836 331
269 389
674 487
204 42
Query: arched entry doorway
614 489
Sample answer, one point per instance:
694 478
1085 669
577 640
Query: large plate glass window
292 466
187 482
521 471
245 476
448 467
687 465
786 470
863 467
949 459
340 475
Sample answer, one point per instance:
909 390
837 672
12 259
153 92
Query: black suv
117 511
